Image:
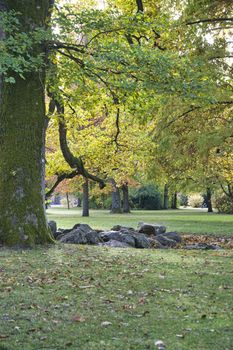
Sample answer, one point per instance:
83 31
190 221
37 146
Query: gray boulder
165 242
82 227
53 227
141 241
151 229
115 244
82 234
122 228
118 236
61 232
173 235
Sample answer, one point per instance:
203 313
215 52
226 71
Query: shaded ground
93 298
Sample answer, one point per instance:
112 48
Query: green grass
57 298
182 220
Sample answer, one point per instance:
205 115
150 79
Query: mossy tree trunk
22 122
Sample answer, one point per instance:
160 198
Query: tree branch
74 162
139 6
210 20
60 178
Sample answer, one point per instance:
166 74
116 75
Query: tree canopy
135 87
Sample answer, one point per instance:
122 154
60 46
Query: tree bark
116 199
67 201
85 197
208 200
139 5
174 200
165 197
22 122
125 190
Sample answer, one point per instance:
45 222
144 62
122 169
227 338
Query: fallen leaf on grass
3 336
78 318
106 324
160 345
129 307
180 335
85 287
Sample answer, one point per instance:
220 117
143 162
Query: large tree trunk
208 200
116 199
165 197
85 197
125 190
22 122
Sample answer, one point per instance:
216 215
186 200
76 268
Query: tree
123 55
22 132
85 187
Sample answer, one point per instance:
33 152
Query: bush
223 204
195 200
146 197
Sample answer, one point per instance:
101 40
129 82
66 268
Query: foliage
146 197
183 199
223 203
195 200
18 48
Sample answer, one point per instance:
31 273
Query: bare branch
210 20
60 178
140 5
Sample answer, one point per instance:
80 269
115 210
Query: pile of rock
145 236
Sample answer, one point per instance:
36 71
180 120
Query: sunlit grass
184 221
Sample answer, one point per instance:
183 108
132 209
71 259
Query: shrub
147 197
195 200
224 204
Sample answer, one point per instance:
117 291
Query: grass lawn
181 220
95 298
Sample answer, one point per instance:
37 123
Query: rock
115 244
141 241
122 228
202 246
151 229
75 237
82 227
53 227
60 233
81 235
174 236
118 236
165 241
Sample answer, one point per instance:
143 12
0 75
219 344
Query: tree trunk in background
116 199
125 190
85 197
67 201
208 200
174 200
22 122
165 197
